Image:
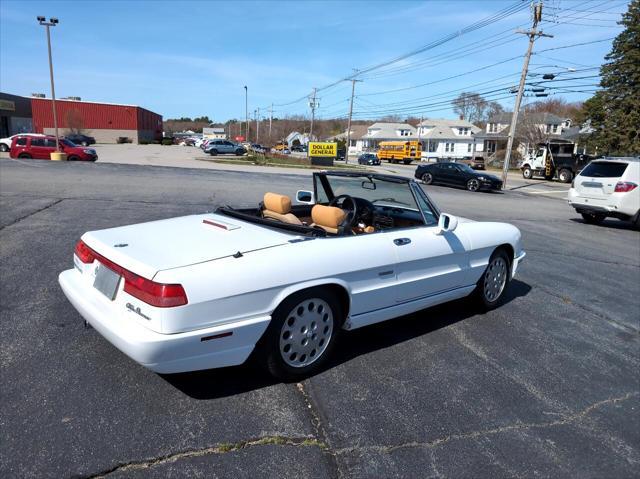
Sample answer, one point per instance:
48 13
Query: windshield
466 168
376 190
66 142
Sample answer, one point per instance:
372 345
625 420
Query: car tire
4 148
593 218
213 152
473 185
527 173
239 152
407 162
492 285
25 156
427 178
565 176
303 331
85 143
73 158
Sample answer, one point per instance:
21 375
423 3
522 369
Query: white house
447 139
303 138
214 134
382 132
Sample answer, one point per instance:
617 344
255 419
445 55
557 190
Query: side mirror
305 197
446 223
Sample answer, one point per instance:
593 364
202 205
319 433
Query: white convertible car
282 281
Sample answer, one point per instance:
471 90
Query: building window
448 147
463 131
469 145
493 127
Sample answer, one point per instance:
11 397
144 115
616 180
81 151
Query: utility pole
258 125
246 112
532 34
270 121
353 90
313 104
51 23
420 135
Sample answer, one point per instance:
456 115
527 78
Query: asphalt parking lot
545 386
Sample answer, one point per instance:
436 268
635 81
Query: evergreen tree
620 96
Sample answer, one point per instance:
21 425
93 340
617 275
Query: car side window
37 141
50 143
21 142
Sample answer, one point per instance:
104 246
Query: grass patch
276 162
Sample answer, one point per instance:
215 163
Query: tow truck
554 159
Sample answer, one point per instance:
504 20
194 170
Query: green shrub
143 142
167 141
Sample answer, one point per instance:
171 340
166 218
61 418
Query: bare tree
75 123
470 106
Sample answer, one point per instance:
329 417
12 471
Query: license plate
106 281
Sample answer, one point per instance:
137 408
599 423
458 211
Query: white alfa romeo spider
282 281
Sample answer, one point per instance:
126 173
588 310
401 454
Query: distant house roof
542 118
211 131
384 131
442 128
357 132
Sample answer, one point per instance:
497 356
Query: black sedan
457 174
368 159
80 139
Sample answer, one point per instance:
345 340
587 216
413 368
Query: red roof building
106 122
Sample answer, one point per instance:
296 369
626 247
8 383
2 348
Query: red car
41 147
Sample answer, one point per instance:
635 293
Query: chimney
461 117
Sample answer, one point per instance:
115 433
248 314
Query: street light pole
51 23
258 125
246 112
353 90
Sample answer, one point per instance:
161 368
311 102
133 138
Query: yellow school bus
396 151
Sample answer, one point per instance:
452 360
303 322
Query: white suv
5 143
608 187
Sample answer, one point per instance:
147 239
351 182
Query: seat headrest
280 204
328 216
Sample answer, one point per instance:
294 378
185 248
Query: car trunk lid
598 180
147 248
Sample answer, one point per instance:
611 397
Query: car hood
147 248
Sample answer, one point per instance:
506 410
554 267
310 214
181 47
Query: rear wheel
73 158
302 333
491 287
593 218
565 176
427 178
407 162
85 143
473 185
25 156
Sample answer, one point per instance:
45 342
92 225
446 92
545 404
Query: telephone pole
532 34
353 89
270 121
246 112
313 104
257 125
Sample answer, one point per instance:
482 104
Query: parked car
299 148
457 174
41 147
256 147
79 139
368 159
281 282
224 147
608 187
5 143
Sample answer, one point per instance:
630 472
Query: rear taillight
84 253
625 186
156 294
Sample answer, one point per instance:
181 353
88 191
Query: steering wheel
348 204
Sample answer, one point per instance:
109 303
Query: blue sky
193 58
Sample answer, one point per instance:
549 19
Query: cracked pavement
546 385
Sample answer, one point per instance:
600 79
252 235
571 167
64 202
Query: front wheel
592 218
213 152
493 284
473 185
527 173
302 333
239 152
3 148
427 178
85 143
407 162
25 156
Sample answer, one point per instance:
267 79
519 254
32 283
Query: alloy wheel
306 332
427 178
473 185
495 279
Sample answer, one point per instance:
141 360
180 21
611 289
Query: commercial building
106 122
214 133
15 115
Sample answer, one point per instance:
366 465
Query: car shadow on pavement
608 223
225 382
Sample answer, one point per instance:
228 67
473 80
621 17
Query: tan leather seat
278 207
329 218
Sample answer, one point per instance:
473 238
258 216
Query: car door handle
401 241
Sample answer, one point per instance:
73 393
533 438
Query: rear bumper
163 353
612 206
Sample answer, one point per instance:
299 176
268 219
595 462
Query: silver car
224 147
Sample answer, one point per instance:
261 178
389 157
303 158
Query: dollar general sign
323 149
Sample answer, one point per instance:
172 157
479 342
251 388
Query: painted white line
545 192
